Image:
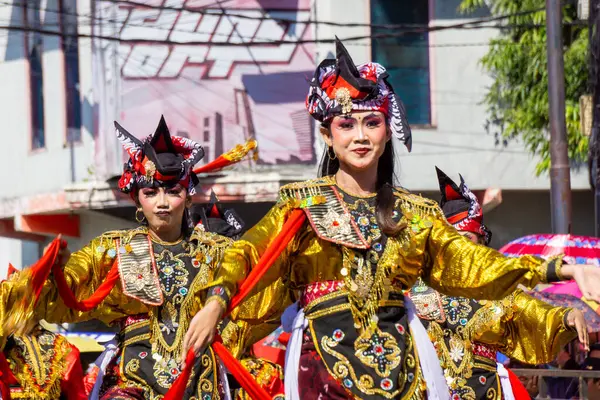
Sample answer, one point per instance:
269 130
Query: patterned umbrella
571 288
564 300
577 249
273 339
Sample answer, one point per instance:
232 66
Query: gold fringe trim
209 245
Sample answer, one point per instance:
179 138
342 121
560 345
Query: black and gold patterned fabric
341 243
38 363
151 344
376 360
378 363
467 334
153 302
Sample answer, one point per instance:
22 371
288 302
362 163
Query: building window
406 57
70 48
34 48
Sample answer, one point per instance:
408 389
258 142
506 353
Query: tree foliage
517 101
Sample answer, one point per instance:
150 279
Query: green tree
517 101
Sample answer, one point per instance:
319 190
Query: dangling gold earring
137 217
329 153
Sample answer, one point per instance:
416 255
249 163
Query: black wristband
554 265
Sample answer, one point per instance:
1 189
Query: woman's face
358 139
163 207
473 237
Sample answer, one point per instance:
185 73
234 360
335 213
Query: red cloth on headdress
289 230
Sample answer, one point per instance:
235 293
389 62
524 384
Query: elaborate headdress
339 87
162 159
158 160
215 218
461 207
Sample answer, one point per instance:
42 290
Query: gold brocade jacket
137 291
336 244
467 334
429 248
158 280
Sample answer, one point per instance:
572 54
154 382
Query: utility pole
560 178
594 39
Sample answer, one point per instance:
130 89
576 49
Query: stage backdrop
217 91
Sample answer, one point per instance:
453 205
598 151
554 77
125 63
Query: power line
312 22
266 43
473 24
227 44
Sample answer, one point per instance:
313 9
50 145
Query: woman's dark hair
384 207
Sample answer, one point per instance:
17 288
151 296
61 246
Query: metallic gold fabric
532 333
38 361
467 333
428 247
84 272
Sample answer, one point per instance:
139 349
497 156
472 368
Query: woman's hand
63 252
587 278
202 328
576 320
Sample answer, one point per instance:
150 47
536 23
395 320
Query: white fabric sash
507 393
294 348
437 388
110 350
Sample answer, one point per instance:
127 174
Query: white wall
48 169
10 252
23 253
93 224
457 142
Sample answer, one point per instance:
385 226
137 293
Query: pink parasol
570 288
576 249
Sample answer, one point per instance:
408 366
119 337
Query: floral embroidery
379 351
364 215
457 351
336 224
138 276
457 308
172 272
368 384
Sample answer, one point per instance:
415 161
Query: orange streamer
289 230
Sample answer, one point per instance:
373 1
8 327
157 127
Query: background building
65 79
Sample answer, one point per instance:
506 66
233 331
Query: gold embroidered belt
338 301
483 350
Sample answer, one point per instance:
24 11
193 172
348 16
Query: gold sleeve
12 292
20 313
84 272
245 253
456 266
259 313
79 274
537 331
